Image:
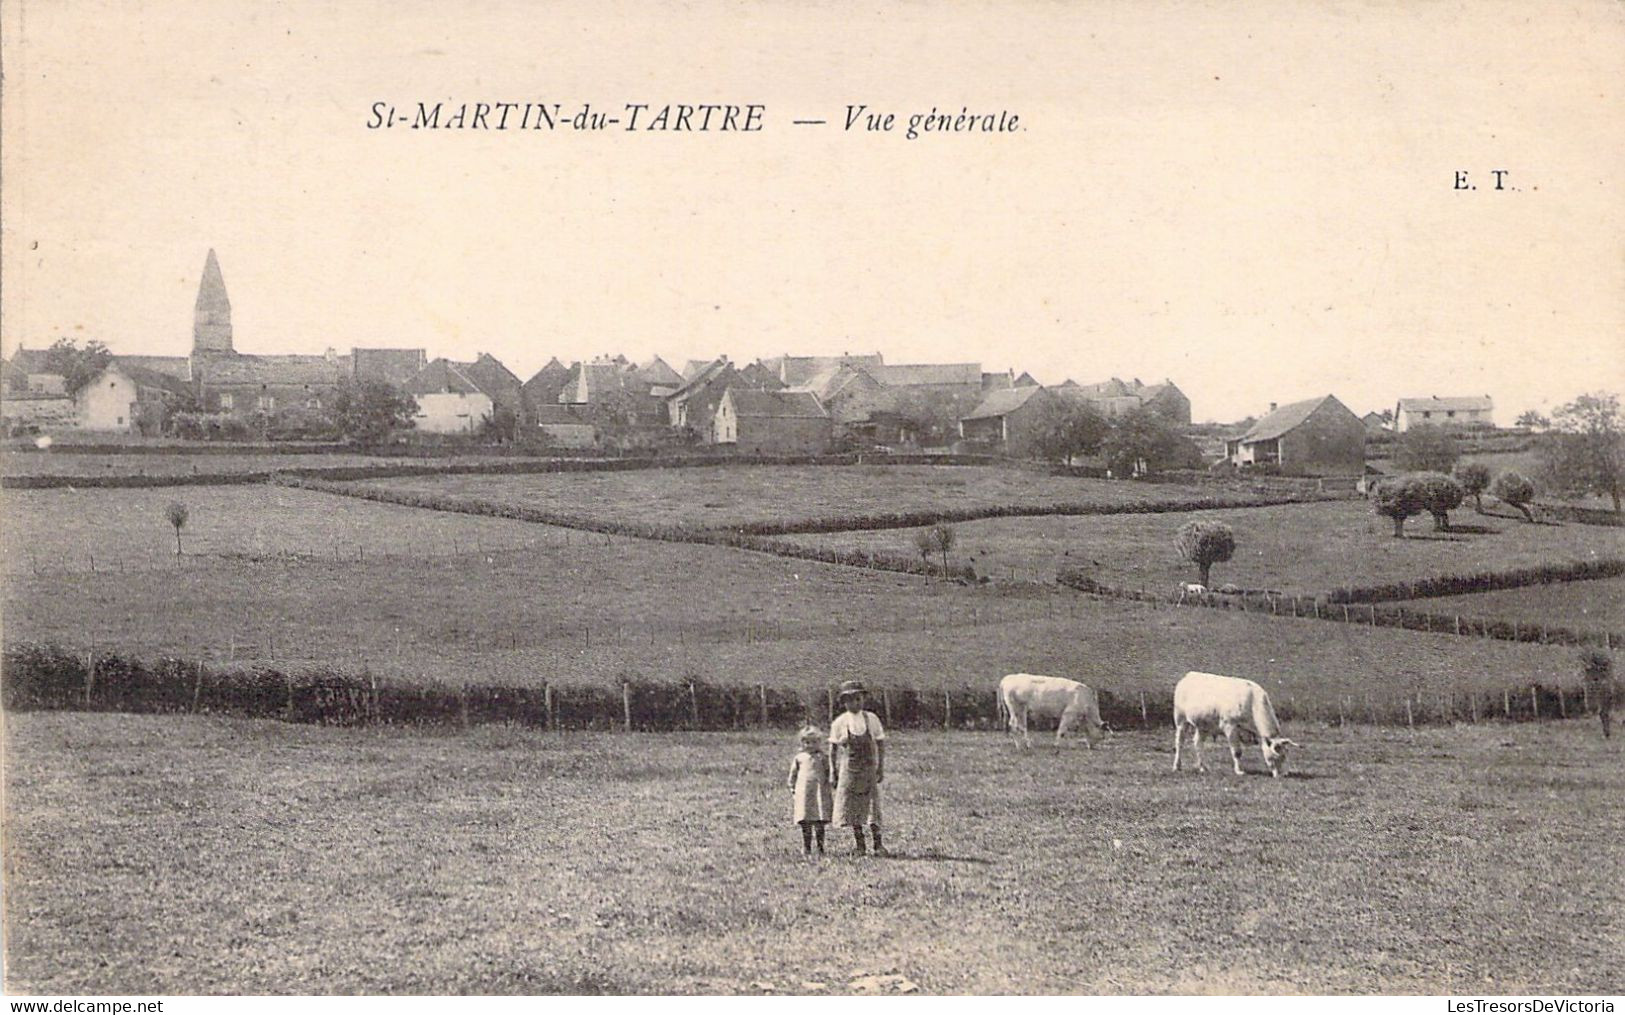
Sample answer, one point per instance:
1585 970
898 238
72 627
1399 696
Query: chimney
1272 406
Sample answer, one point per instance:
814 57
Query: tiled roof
776 404
395 366
439 377
658 371
1286 418
1003 402
174 366
232 368
928 373
1470 403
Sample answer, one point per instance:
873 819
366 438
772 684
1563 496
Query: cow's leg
1196 746
1179 737
1062 726
1018 722
1235 747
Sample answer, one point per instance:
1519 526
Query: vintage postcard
811 499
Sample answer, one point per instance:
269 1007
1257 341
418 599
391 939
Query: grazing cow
1207 700
1025 695
1191 589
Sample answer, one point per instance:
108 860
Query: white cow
1025 695
1207 700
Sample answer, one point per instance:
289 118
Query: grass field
149 464
603 610
156 855
724 496
1299 548
1596 605
62 530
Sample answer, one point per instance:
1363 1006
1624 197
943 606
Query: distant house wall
777 435
108 403
1331 442
1405 418
451 412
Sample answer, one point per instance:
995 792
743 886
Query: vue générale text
678 117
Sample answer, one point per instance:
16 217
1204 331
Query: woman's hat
850 687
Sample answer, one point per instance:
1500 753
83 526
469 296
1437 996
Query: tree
1397 498
1426 449
500 425
176 513
1066 429
1532 419
1586 453
365 412
1205 543
937 539
1514 488
77 366
1474 478
1143 442
1440 495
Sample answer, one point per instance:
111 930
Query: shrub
1426 449
1474 478
1205 543
1596 663
1514 488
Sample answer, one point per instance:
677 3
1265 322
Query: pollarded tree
1397 498
938 539
1474 478
1205 543
1440 495
1586 453
1514 488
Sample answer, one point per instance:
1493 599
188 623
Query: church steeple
211 321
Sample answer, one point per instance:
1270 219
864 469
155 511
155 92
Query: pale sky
1253 199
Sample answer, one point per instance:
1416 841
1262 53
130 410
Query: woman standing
857 744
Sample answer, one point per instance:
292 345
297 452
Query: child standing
858 757
809 783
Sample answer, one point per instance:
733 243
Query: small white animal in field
1025 695
1191 589
1209 701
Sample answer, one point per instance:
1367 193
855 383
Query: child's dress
809 774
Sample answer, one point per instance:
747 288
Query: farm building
772 422
448 400
1118 397
128 398
28 374
543 388
1316 437
694 405
1472 410
1006 417
848 393
1376 422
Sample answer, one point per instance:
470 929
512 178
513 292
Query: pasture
1295 548
600 610
723 496
68 530
150 855
90 465
1596 605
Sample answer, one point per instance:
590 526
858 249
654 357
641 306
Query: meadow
87 464
599 610
157 855
725 496
1597 605
1295 548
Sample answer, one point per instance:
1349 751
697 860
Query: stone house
772 422
1316 437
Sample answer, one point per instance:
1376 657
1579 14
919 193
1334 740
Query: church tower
211 320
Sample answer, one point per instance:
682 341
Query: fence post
694 704
1562 706
626 704
462 705
547 704
197 687
1506 702
1410 720
1345 613
947 710
1341 702
1473 700
1534 699
90 674
761 693
1145 717
1458 625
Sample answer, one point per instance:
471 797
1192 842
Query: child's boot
874 832
857 833
818 830
806 838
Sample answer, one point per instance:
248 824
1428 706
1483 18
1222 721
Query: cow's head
1274 749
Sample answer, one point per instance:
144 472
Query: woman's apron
855 790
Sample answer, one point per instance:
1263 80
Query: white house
1473 410
448 401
